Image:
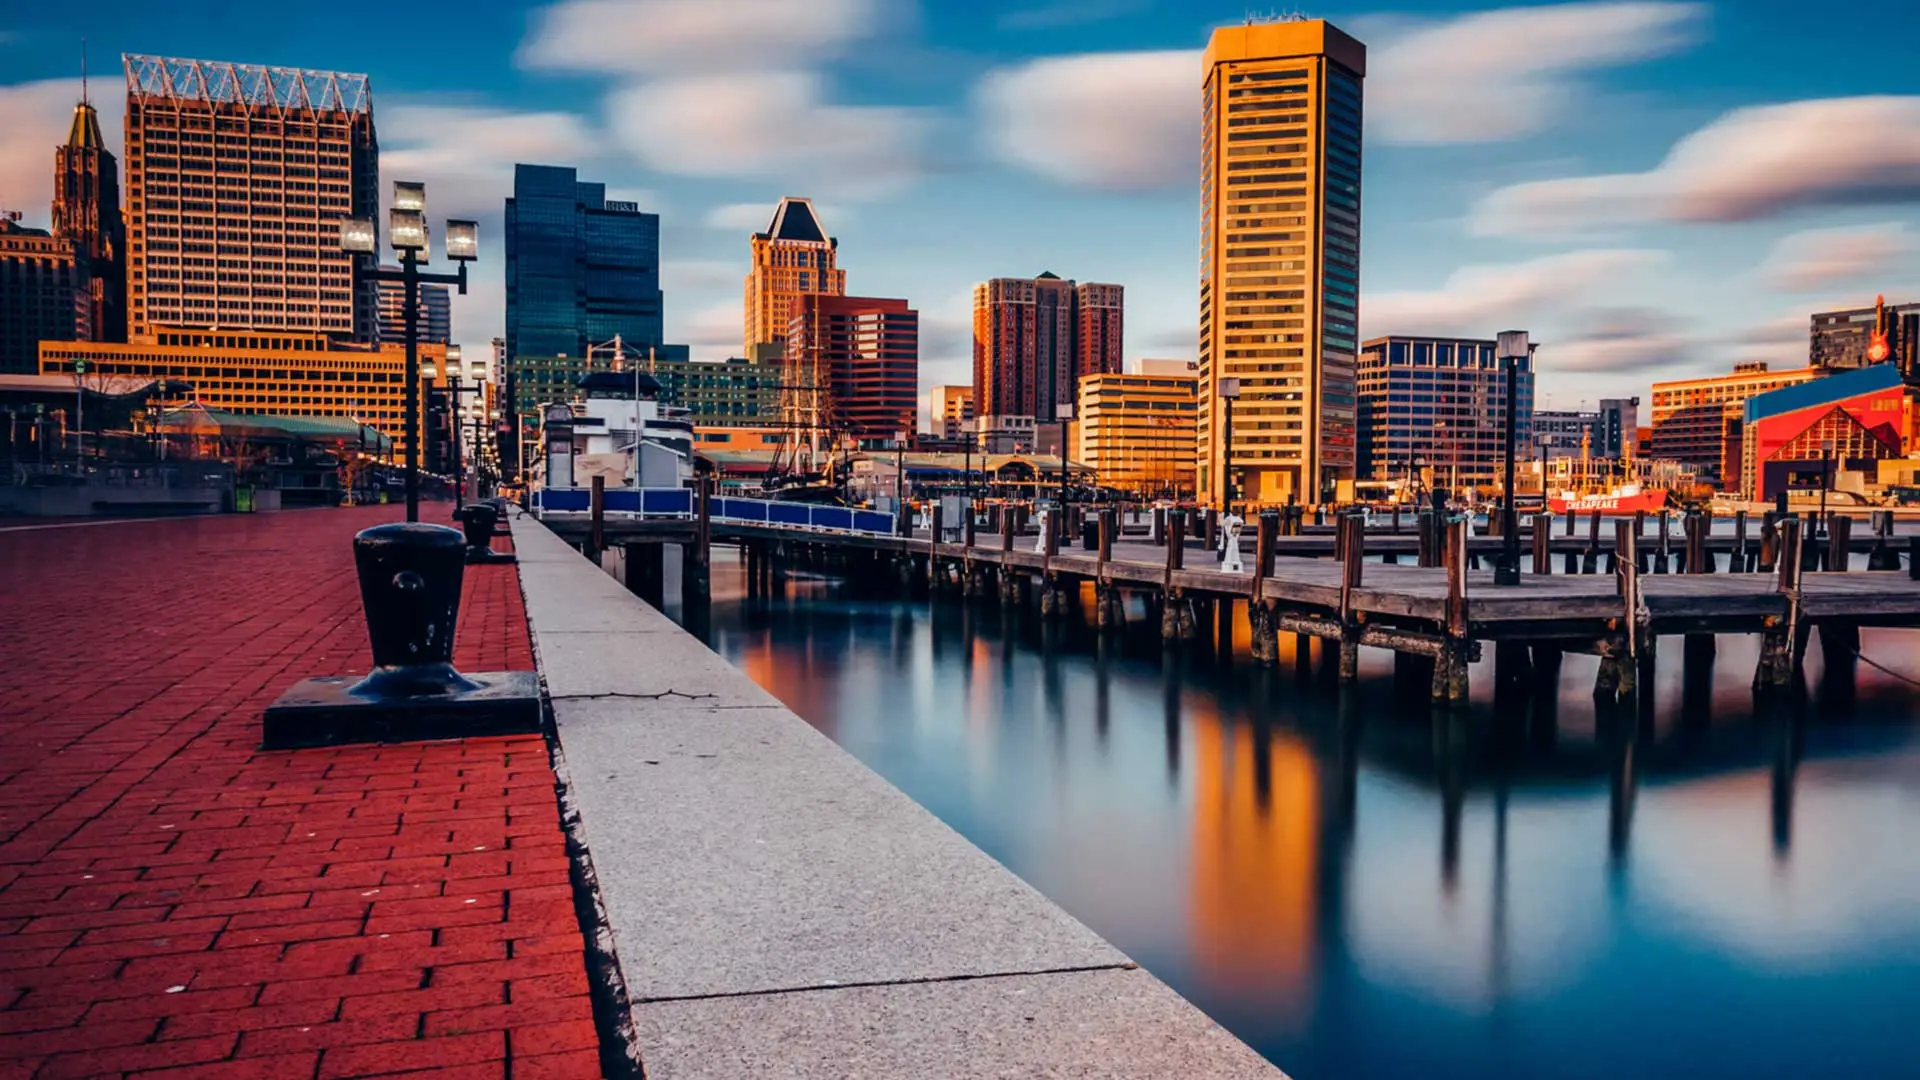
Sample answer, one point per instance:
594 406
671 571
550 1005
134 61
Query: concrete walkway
778 910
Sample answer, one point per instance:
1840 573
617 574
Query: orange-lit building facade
237 177
1280 257
86 211
270 374
863 354
952 408
795 257
43 295
1699 421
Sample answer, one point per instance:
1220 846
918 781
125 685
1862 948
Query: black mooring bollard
477 520
410 577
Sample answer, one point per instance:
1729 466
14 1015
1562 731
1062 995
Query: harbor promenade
175 902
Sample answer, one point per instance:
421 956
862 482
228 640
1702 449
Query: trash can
1089 532
242 499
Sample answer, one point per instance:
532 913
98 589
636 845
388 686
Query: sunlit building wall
795 257
1280 257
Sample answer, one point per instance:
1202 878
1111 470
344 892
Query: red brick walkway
176 903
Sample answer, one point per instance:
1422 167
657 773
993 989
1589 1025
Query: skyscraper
1438 404
86 210
236 178
1033 338
581 269
1280 257
863 355
434 322
794 257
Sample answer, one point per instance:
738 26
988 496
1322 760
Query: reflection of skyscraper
86 210
237 177
1256 821
1280 257
795 257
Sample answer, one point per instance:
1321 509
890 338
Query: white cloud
650 37
1478 300
1619 341
699 274
37 116
1752 163
772 124
1497 75
1125 121
756 216
715 332
1817 259
465 155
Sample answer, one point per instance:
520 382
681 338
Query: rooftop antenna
83 72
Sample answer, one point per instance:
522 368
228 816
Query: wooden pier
1609 596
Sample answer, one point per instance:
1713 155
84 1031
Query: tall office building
1034 338
1137 428
1436 407
1840 340
1280 257
43 294
795 257
433 323
581 269
86 210
237 177
1700 422
863 356
952 411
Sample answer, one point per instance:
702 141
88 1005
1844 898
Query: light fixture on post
1229 393
408 234
1513 347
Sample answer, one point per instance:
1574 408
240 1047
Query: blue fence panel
832 517
740 509
667 501
621 500
779 513
563 498
872 521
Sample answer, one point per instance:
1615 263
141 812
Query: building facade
735 392
269 374
1434 409
1280 257
1137 428
1608 432
581 270
237 177
86 211
1844 340
863 355
434 318
1798 436
794 258
1034 338
44 295
952 409
1698 421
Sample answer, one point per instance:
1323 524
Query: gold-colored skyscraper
1279 259
794 257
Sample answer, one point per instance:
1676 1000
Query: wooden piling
1542 543
1778 660
597 507
1839 532
1352 554
1450 667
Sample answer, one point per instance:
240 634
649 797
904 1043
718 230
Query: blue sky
1654 189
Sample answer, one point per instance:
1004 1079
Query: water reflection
1532 889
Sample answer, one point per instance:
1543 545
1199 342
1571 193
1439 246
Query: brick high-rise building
794 258
86 210
863 355
1034 338
43 294
237 177
1280 257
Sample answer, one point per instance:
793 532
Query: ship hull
1651 502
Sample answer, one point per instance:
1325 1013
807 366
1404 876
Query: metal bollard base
402 705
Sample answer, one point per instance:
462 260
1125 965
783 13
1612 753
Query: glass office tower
581 269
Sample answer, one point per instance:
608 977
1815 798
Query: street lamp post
1065 415
1514 347
407 221
1229 393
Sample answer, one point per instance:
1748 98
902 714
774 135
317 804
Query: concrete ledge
778 909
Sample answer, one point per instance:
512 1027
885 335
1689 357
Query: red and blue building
1864 416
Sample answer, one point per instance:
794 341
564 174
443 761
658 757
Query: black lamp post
1065 414
1229 393
407 221
1514 347
1826 481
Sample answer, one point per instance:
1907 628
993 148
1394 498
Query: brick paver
176 903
